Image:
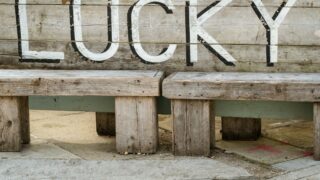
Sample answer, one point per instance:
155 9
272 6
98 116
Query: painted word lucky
194 31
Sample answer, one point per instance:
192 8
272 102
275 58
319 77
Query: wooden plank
270 3
212 117
316 131
127 125
25 120
105 124
243 129
80 83
136 125
10 139
236 27
249 57
240 25
180 129
173 65
303 87
192 127
147 124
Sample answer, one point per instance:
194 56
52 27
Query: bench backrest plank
243 86
79 83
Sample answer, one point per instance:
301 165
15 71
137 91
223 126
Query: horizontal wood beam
244 3
79 83
301 87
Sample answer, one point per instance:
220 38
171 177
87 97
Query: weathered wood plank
10 139
240 25
173 65
136 125
127 125
80 83
25 120
269 3
303 56
316 131
303 87
243 129
192 127
147 124
212 113
236 27
105 124
250 58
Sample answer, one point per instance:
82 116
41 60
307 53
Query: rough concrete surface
121 169
264 150
297 164
65 145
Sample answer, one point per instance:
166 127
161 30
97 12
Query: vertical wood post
10 132
136 125
192 127
25 120
105 124
245 129
212 126
316 119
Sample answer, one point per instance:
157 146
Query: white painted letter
272 25
23 34
134 36
195 32
113 32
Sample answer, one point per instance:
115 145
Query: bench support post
136 125
316 113
24 118
193 127
10 132
105 124
243 129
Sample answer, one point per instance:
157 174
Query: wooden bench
135 92
193 117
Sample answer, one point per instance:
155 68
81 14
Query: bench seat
191 94
298 87
135 102
79 83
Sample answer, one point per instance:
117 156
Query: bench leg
212 126
193 127
10 132
136 125
243 129
316 113
105 124
24 118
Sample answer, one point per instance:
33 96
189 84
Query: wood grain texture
10 139
243 129
303 87
240 25
269 3
25 119
136 125
236 28
316 131
105 124
212 118
192 127
79 83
